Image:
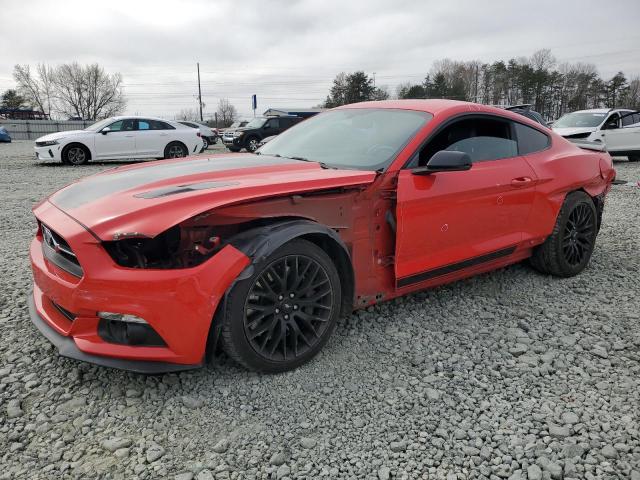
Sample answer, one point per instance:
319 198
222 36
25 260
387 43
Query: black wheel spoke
288 309
578 234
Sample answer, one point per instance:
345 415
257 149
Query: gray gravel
509 375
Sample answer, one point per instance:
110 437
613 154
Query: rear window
158 125
530 140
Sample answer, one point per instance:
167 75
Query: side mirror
445 161
105 130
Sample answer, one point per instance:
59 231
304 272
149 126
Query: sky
288 52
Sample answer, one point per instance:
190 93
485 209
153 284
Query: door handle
128 136
521 182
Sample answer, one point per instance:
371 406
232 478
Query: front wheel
284 314
75 155
566 252
252 144
175 150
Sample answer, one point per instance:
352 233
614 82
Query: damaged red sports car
150 267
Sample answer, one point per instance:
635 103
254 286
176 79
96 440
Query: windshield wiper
322 164
303 159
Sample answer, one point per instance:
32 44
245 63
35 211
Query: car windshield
256 122
358 138
580 119
99 125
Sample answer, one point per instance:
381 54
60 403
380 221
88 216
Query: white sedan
120 137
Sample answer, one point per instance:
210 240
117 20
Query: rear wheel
75 154
566 252
205 143
175 150
284 314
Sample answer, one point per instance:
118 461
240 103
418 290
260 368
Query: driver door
119 142
448 222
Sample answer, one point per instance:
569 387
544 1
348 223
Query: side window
273 123
481 138
158 125
116 126
611 123
630 119
143 125
530 140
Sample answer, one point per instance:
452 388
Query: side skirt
454 267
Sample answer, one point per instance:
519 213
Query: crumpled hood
573 130
59 135
150 198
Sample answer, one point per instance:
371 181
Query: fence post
28 131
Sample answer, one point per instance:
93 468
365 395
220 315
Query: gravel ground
508 375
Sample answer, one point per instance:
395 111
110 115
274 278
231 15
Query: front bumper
67 348
52 152
178 304
233 142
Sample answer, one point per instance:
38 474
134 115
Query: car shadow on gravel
90 164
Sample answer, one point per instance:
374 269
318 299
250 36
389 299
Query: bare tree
188 114
227 113
72 90
36 88
87 91
632 95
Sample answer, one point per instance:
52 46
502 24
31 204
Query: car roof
603 110
140 117
443 108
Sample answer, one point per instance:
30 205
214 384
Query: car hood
59 135
149 198
573 130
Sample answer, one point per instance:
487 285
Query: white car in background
618 129
120 137
209 135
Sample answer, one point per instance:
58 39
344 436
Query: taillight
198 133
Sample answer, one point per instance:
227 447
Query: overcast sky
288 52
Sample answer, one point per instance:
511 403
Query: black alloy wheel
578 234
282 316
567 250
288 308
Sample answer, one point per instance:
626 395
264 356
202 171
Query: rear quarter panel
561 169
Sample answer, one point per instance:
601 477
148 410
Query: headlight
237 134
47 143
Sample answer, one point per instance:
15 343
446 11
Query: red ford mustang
148 267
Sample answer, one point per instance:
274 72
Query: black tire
634 158
205 143
233 149
75 154
285 313
175 150
252 144
566 252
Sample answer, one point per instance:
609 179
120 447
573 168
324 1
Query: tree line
552 88
69 90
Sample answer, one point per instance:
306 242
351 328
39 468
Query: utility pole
199 92
374 79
